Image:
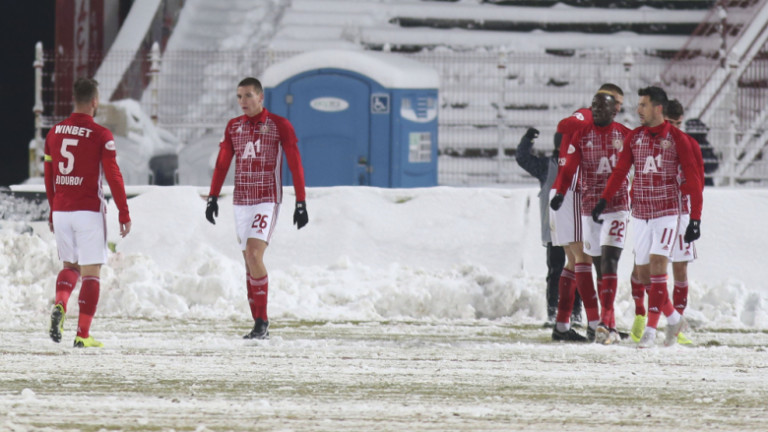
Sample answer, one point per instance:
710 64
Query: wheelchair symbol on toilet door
379 103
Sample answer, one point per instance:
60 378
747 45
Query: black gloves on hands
557 202
300 216
212 209
598 210
532 134
693 232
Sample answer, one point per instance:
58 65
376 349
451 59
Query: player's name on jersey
69 180
73 130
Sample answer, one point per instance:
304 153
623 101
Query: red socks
680 296
607 295
65 284
89 298
587 290
658 300
257 297
638 295
566 293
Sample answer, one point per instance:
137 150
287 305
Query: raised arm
534 165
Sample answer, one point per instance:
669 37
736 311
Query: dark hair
250 81
85 89
613 88
674 109
656 94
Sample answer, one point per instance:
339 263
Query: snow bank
372 254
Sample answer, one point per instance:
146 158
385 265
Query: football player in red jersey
657 150
567 232
593 152
77 152
683 252
257 140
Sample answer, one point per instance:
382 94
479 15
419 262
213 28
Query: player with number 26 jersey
258 143
257 140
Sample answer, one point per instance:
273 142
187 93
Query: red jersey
567 127
258 144
657 154
684 185
77 153
594 151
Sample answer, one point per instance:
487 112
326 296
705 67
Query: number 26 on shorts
260 221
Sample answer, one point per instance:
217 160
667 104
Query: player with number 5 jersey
257 140
78 152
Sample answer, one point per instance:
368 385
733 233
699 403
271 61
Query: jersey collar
258 118
662 129
81 116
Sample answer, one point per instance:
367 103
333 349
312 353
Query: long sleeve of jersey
567 169
696 150
692 173
223 160
116 184
567 127
289 142
620 171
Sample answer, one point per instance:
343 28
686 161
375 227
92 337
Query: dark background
23 24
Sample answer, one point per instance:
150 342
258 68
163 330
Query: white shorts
81 237
653 237
565 223
682 251
612 232
255 221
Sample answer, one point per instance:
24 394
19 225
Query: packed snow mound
371 254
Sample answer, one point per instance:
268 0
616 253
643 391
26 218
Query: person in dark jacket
544 169
698 130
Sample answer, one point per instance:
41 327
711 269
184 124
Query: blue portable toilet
362 117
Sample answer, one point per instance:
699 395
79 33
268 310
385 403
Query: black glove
532 134
557 202
693 232
212 209
598 210
300 216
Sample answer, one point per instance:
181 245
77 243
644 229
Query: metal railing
487 100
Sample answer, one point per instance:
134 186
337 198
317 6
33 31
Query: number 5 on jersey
66 169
